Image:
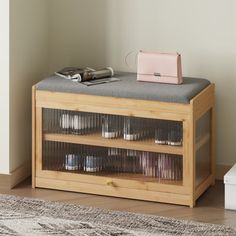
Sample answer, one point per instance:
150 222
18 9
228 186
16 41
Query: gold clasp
157 74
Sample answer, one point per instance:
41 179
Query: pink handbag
159 67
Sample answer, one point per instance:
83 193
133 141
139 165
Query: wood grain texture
98 140
113 191
112 105
125 181
186 193
203 102
187 181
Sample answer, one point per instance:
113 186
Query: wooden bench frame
185 194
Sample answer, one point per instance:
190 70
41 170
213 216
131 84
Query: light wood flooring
209 208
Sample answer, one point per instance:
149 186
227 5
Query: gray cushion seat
129 87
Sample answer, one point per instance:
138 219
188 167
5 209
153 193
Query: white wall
4 87
28 64
98 33
77 32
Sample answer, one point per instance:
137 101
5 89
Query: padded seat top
129 87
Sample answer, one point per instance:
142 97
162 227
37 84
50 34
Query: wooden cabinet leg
192 204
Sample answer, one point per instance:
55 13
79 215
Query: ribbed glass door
112 145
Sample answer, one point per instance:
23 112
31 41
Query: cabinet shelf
98 140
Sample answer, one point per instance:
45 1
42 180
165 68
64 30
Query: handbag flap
162 64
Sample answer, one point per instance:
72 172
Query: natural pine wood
203 102
209 207
192 152
187 161
113 105
98 140
108 190
127 181
185 194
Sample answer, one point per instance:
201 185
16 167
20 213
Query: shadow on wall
94 33
101 33
28 64
121 26
79 37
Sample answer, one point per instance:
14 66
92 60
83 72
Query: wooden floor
210 207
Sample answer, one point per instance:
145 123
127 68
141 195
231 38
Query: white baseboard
9 181
5 181
21 173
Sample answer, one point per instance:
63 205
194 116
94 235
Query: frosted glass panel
70 122
101 160
61 125
161 132
203 126
203 147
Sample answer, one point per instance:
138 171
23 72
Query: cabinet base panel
111 191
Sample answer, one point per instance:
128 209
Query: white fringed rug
25 216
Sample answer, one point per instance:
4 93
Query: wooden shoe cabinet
71 153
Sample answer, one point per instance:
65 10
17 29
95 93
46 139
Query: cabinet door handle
110 183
